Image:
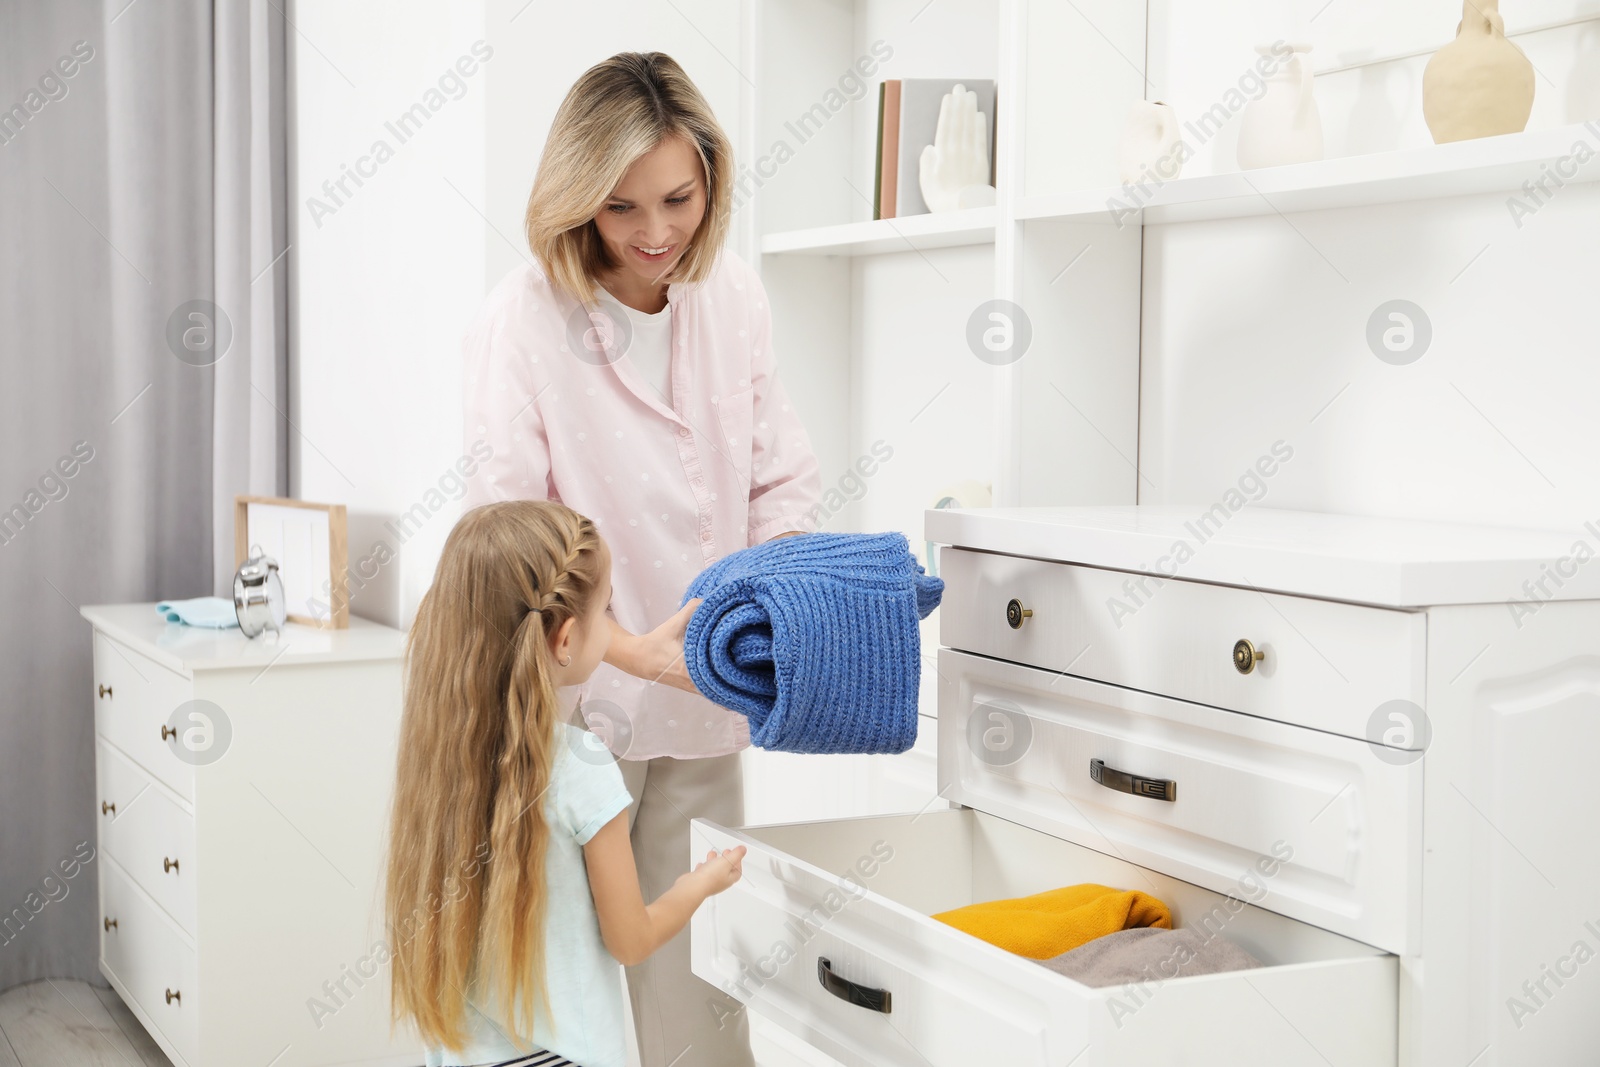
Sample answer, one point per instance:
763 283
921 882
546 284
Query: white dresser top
187 649
1391 562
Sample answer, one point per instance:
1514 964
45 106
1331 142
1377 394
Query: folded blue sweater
814 639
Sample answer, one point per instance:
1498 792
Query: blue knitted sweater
814 639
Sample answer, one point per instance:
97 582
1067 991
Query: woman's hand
656 656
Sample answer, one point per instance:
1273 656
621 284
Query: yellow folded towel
1047 924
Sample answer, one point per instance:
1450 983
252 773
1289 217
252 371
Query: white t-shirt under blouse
650 348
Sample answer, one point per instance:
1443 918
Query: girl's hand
658 655
719 871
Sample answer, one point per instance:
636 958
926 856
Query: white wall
385 285
1255 329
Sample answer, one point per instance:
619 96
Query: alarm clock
258 598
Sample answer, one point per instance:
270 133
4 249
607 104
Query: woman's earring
565 662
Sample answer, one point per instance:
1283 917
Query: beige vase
1480 84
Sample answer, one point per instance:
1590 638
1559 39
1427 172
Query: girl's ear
561 640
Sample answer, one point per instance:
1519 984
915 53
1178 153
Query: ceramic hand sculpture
955 167
1480 84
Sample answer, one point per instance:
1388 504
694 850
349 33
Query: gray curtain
142 189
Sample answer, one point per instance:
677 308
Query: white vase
1150 148
1284 125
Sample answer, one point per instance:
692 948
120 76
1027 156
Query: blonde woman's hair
616 112
466 867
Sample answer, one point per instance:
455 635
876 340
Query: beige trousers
680 1019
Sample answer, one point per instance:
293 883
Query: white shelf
1490 164
972 226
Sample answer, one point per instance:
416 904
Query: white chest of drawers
1354 746
243 793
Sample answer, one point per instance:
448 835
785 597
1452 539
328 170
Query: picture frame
310 543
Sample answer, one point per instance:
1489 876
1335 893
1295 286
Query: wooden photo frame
309 541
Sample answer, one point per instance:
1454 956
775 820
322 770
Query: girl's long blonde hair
466 865
614 113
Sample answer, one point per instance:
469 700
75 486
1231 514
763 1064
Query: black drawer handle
1123 782
860 995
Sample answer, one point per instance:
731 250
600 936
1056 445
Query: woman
629 374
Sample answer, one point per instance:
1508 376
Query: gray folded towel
1149 954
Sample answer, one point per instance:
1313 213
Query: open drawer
1192 791
857 893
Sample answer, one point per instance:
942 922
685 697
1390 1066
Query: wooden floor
59 1021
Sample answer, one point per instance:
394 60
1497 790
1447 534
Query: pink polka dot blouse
673 483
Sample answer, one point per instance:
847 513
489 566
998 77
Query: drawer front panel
148 956
1338 827
1326 665
134 698
955 1000
148 834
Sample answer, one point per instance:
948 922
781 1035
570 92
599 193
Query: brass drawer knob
1246 656
107 809
173 994
168 865
105 691
110 922
167 731
1016 613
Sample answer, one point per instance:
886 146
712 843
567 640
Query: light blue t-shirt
586 792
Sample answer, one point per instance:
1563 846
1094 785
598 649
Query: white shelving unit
836 275
1064 242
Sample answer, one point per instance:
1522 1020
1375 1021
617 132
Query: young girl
511 877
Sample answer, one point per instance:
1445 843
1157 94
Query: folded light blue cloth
212 612
814 639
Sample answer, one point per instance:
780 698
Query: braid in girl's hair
478 748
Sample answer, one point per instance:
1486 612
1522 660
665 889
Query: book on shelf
887 177
908 117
